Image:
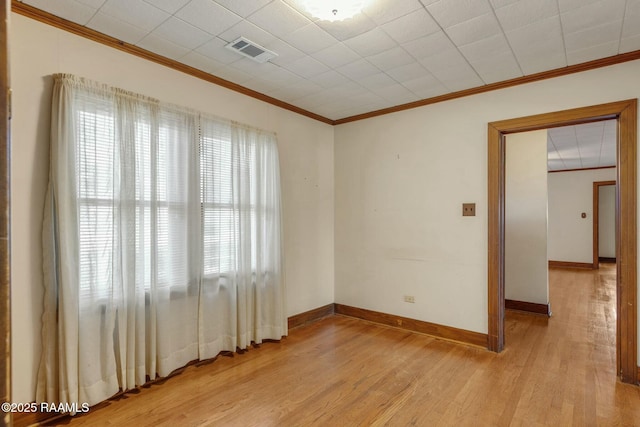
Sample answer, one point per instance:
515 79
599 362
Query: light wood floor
346 372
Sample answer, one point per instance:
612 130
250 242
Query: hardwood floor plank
556 371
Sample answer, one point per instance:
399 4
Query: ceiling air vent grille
251 50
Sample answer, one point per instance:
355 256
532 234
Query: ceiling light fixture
333 10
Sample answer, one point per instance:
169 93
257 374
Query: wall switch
468 209
409 298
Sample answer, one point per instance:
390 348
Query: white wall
401 179
570 194
306 159
607 221
526 267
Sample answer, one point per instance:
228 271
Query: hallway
571 357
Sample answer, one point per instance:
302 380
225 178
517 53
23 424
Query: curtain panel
162 241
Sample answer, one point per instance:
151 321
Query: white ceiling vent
251 50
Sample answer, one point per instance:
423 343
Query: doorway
625 112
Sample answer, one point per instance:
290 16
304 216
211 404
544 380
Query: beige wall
306 159
607 221
400 182
525 241
570 194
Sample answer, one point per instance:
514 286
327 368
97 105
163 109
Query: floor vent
251 50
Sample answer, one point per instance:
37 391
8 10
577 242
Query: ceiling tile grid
394 52
590 145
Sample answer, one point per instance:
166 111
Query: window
147 201
151 175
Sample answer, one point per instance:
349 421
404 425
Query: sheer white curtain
162 241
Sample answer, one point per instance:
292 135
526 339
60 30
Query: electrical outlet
409 298
468 209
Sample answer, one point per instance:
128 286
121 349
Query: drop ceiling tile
410 27
537 33
216 50
455 77
329 111
279 19
538 46
201 62
307 67
162 47
382 12
344 30
107 24
631 26
310 39
590 149
378 80
181 33
608 155
485 48
305 88
232 74
593 36
280 77
567 5
371 42
598 13
426 86
258 85
391 58
451 12
67 9
571 163
407 72
536 64
489 73
208 16
553 164
286 52
358 69
329 79
135 12
253 68
248 30
563 136
396 94
592 52
427 46
629 44
169 6
345 91
95 4
366 98
502 3
324 97
524 12
336 56
477 28
243 8
590 162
